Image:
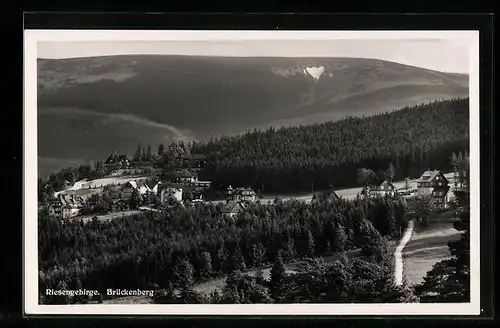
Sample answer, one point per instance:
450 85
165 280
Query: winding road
398 254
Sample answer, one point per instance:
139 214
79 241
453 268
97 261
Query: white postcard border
30 178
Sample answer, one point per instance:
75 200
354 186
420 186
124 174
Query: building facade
130 186
240 194
435 185
232 208
170 192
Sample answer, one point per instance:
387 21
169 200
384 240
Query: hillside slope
88 106
326 155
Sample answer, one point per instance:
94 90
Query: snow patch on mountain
315 72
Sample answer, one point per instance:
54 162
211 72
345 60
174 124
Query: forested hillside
329 154
113 102
182 246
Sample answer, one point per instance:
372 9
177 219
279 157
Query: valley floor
426 247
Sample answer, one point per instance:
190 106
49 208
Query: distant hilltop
109 102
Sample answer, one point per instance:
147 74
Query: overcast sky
437 54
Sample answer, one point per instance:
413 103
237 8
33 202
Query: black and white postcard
251 172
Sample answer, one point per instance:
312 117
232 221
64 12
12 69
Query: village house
185 176
369 190
329 196
199 185
170 192
232 208
192 161
434 184
130 186
69 204
153 186
240 194
115 161
386 188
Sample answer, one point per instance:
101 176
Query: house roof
82 193
329 194
172 189
386 184
428 176
245 191
233 207
164 185
185 174
111 158
70 200
152 183
441 189
135 184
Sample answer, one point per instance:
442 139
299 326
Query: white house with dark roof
329 196
232 208
434 184
386 188
130 186
241 194
185 176
69 204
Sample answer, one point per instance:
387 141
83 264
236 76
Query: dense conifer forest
329 155
181 246
187 245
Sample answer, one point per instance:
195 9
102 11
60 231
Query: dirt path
398 254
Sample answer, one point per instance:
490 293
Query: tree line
186 245
320 156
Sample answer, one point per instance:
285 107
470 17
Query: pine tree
137 154
258 255
340 239
148 153
390 173
183 274
290 248
407 184
424 208
221 259
369 238
161 150
238 262
135 199
278 276
310 245
206 264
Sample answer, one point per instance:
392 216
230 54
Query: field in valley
349 193
106 217
427 247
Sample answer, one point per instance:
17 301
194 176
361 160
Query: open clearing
427 247
349 193
106 217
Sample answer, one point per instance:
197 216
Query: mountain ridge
118 101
